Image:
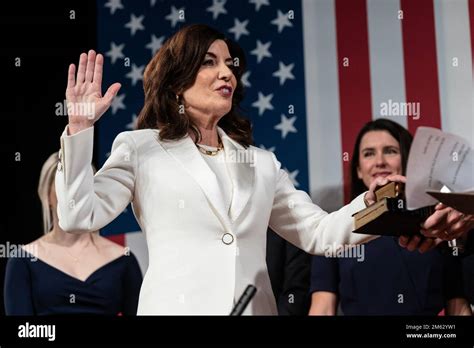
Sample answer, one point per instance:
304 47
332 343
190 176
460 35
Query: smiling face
379 155
212 91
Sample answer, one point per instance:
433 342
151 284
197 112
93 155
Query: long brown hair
172 70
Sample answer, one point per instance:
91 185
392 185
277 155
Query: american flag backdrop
318 70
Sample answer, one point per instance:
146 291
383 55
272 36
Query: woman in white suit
201 193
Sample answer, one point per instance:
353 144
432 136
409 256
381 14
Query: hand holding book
387 215
447 223
435 158
377 186
421 229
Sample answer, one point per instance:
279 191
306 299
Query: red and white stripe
403 60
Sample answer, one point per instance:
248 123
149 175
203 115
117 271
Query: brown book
391 190
389 216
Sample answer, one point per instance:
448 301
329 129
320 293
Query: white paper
437 159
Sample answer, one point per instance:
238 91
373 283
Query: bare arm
323 303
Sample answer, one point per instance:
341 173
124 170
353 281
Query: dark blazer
289 269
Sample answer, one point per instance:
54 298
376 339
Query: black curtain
38 42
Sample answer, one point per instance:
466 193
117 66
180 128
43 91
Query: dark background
47 41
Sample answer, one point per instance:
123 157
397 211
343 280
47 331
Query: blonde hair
46 180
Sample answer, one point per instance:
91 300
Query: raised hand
84 92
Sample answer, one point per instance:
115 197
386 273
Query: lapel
185 152
241 164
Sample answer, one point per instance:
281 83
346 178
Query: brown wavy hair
173 70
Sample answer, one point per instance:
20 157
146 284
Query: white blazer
201 258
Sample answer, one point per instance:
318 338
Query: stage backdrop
318 70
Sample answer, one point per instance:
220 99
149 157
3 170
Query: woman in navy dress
386 279
67 273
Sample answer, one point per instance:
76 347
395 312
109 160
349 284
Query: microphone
244 300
